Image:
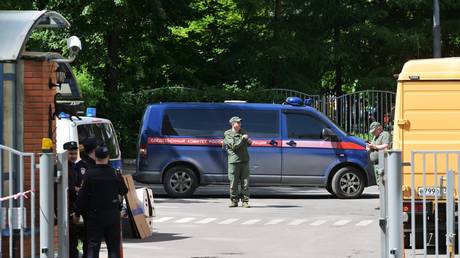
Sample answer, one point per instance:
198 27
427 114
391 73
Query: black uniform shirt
86 163
100 190
72 183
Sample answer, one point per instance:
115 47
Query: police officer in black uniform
99 200
87 161
88 158
73 186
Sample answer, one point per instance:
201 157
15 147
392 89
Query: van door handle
273 142
291 143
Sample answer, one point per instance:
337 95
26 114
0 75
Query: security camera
74 45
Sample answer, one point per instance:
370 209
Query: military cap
374 126
70 146
90 144
234 119
102 152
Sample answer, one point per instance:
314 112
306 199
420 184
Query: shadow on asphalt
157 237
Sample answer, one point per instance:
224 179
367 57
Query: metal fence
353 112
13 219
15 225
420 205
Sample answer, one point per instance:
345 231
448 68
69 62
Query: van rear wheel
348 183
180 182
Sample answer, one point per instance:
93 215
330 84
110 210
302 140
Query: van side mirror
329 135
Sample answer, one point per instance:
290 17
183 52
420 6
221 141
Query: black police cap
102 152
70 146
90 144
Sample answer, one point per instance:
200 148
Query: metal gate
13 219
425 191
352 112
355 111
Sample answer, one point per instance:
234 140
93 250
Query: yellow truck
427 118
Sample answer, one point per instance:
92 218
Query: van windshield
102 131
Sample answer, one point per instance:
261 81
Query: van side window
303 126
214 122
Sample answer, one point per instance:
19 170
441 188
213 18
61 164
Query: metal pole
62 211
46 206
22 211
383 209
436 30
394 221
32 203
450 214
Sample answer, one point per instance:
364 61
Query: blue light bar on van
294 101
91 112
308 102
64 115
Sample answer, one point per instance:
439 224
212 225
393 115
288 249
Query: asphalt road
282 222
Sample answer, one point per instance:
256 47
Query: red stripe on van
255 143
204 142
324 145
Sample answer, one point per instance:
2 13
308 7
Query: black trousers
82 236
103 225
73 239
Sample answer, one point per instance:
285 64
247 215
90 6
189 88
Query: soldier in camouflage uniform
237 142
380 141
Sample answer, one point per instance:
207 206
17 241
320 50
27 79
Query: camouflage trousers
238 173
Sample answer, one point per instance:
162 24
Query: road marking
342 222
184 220
205 221
251 222
138 246
318 223
297 222
164 219
364 223
274 221
166 207
228 221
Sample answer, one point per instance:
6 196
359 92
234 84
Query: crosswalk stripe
342 222
318 222
274 221
364 223
297 222
164 219
228 221
251 222
205 221
184 220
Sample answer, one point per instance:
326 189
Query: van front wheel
180 182
348 183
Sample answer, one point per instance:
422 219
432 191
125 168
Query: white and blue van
78 129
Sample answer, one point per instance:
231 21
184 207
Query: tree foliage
319 46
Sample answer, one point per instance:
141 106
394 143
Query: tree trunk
276 41
112 71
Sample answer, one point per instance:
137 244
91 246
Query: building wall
38 103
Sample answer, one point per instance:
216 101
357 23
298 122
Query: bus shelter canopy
16 26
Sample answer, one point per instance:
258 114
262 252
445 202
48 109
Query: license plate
431 191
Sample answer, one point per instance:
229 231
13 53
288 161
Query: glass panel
8 127
304 127
8 68
102 131
213 123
